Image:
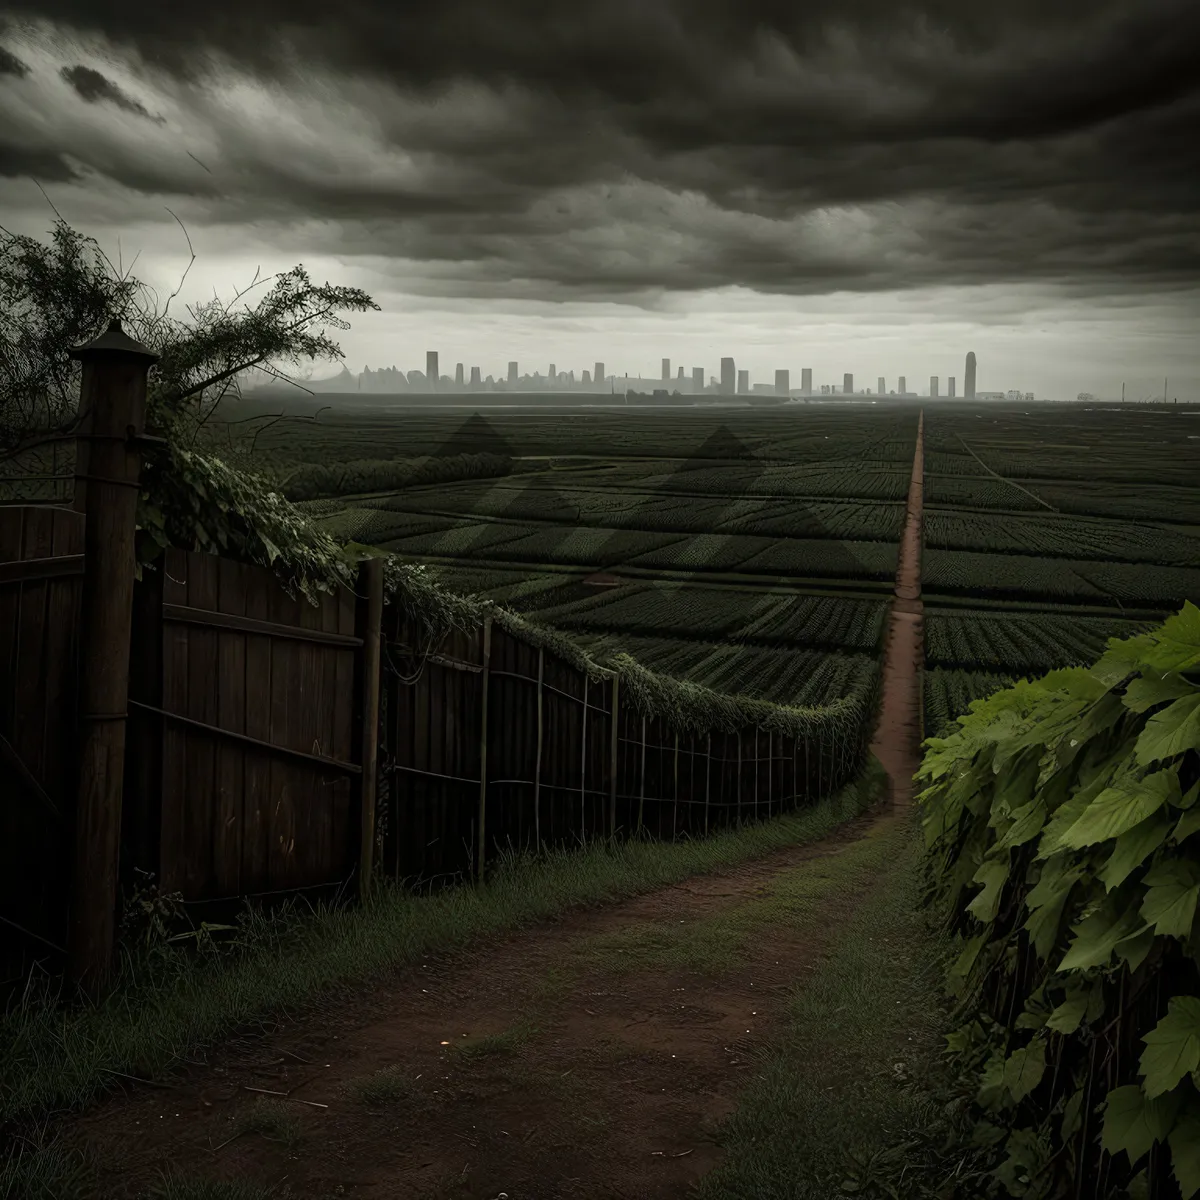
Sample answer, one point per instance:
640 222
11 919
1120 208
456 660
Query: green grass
391 1085
845 1094
272 1119
57 1057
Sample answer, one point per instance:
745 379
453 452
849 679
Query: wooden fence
243 759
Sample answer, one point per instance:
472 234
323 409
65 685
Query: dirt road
591 1057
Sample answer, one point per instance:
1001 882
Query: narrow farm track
594 1056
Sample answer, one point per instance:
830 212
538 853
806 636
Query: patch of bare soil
519 1068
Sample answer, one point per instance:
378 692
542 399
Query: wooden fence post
113 401
371 587
537 766
612 758
483 741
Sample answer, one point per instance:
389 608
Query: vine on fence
1062 823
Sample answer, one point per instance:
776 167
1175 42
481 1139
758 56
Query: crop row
978 491
948 694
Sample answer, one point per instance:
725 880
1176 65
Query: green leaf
1184 1141
1188 824
1027 822
1133 847
1152 689
1173 887
1133 1122
1192 794
1127 803
1172 1046
1096 938
1072 1118
993 874
1067 1017
1171 731
1176 645
1025 1068
1046 901
1133 950
991 1083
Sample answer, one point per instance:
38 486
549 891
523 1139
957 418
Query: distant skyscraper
903 385
950 387
679 375
458 374
882 386
666 368
969 381
806 380
728 377
512 372
598 373
743 381
782 383
475 380
697 379
847 384
587 377
933 385
431 369
553 372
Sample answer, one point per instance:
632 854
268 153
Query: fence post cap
112 343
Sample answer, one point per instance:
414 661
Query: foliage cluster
316 481
1062 820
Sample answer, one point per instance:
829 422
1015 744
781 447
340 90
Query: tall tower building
903 385
743 381
587 378
598 373
933 385
728 377
512 372
458 374
553 372
697 379
666 368
950 387
806 380
782 383
679 375
969 380
475 380
431 369
848 384
879 391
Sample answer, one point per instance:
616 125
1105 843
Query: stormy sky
851 185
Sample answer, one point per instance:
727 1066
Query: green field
1048 530
754 550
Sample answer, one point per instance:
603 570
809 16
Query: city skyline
876 185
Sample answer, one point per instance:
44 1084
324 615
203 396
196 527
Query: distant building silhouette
697 379
933 385
553 373
598 373
743 381
848 384
903 385
475 380
587 377
666 368
431 368
458 374
512 372
728 377
680 375
882 386
782 380
950 387
969 379
806 380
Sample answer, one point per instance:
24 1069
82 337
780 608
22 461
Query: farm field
1048 530
720 537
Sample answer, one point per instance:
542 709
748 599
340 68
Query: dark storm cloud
93 87
10 64
616 145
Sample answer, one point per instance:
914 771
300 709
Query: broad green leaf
1046 901
1067 1017
1133 950
1027 822
1077 682
1025 1068
993 874
1192 794
1133 847
1172 889
1072 1117
1096 938
1152 688
1127 803
1171 731
1139 1186
1172 1046
1188 824
1133 1122
1184 1141
1176 645
991 1083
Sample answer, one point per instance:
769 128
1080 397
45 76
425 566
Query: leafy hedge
315 481
1062 823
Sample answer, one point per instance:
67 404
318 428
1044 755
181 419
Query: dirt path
594 1056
